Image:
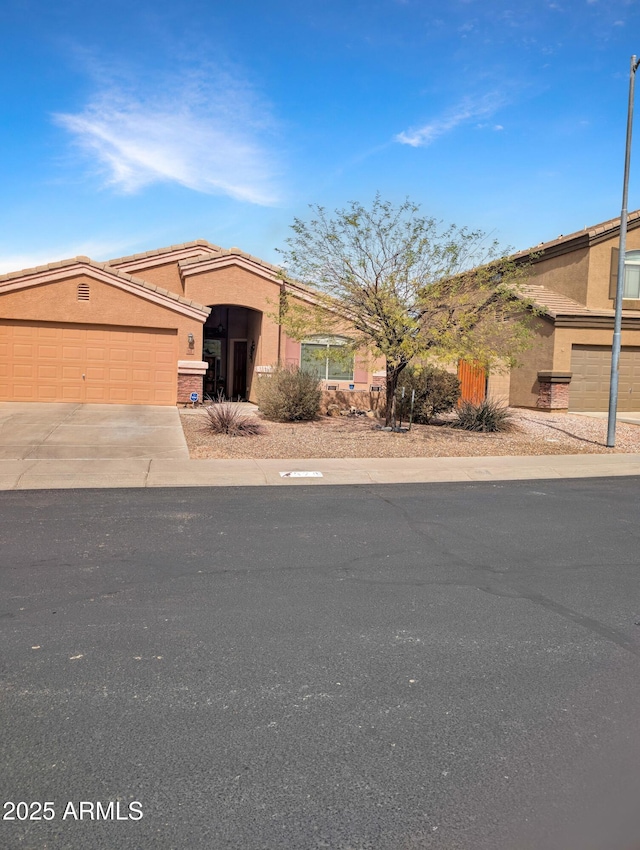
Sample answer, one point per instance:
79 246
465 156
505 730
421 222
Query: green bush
289 394
437 391
486 416
226 418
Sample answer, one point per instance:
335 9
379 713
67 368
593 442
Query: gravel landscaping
534 433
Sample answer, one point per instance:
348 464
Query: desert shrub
289 394
437 391
486 416
226 418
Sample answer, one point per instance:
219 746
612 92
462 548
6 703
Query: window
326 357
632 275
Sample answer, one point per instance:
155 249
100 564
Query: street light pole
617 323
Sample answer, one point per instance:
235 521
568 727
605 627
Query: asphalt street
450 666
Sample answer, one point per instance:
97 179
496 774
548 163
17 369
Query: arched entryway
231 338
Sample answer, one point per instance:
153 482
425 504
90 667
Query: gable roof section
223 258
162 256
105 273
580 239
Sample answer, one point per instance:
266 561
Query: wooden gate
473 382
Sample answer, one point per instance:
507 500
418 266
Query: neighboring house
574 279
153 328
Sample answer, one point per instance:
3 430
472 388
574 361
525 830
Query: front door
239 383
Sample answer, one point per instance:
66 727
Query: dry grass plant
226 418
486 417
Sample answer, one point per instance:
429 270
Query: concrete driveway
32 431
629 418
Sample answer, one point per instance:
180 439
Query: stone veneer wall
188 384
553 392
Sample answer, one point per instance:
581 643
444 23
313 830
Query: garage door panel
117 375
118 354
72 393
591 376
46 393
94 353
23 370
142 376
96 395
24 392
46 352
45 362
22 350
161 397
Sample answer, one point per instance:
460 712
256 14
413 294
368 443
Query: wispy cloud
469 109
202 129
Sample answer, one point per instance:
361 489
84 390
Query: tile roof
588 235
555 304
230 252
169 249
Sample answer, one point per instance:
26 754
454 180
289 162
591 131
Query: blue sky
133 125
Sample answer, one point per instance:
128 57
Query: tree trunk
393 373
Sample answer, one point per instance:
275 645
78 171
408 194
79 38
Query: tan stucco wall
57 301
523 390
241 288
254 335
499 387
600 268
568 274
566 337
233 285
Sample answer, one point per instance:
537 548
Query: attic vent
83 292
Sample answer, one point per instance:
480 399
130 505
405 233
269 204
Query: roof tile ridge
200 258
169 249
594 230
44 267
258 260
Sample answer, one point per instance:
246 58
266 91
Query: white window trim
631 260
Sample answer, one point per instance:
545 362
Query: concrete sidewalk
36 474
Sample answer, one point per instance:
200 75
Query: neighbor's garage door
44 361
591 368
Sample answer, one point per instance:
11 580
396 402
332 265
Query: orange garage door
43 361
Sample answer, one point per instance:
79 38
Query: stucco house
155 327
574 279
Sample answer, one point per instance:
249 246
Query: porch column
553 392
190 377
